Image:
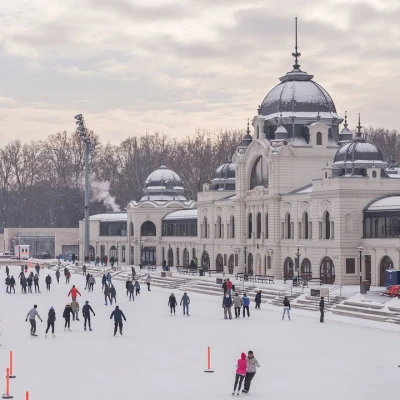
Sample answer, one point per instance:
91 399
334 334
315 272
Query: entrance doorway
231 264
219 265
386 263
170 257
368 275
327 271
149 255
250 265
288 271
306 272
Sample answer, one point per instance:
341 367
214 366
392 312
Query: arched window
218 230
250 225
205 227
266 226
288 271
185 257
232 227
259 173
348 223
327 223
305 225
259 225
148 229
288 227
219 263
306 271
250 264
319 139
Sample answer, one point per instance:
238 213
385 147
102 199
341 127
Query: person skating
148 282
109 279
321 309
73 292
257 299
172 303
7 281
246 305
237 303
131 291
23 284
51 318
67 316
103 281
227 304
118 315
12 284
127 283
58 275
113 294
240 373
36 283
107 293
137 288
286 308
224 286
75 310
67 277
37 268
229 286
84 270
87 281
185 301
7 270
86 310
29 281
251 368
32 314
48 282
92 282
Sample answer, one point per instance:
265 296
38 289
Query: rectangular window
332 230
102 250
350 265
291 230
381 227
299 230
269 262
310 230
193 253
282 230
367 227
163 253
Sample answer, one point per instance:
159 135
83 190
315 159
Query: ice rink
163 357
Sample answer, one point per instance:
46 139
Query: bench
212 271
151 267
318 280
265 278
239 274
249 278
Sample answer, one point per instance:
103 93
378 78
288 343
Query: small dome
281 132
345 135
163 184
224 177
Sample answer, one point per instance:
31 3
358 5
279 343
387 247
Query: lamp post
142 252
298 263
80 121
97 249
360 249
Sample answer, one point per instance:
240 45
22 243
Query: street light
142 251
360 249
80 121
298 263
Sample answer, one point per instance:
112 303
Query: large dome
163 184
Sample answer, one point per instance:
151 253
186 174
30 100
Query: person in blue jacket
118 315
246 304
227 304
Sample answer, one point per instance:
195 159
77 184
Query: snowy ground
164 357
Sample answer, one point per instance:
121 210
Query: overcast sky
173 66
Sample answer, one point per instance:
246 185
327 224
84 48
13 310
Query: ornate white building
298 191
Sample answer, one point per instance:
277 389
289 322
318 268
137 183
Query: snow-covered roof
115 216
304 189
388 203
181 214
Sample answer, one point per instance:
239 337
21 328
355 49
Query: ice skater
185 301
131 291
257 299
48 282
58 275
286 308
73 292
137 288
87 281
107 294
246 305
32 314
36 283
227 305
172 303
251 365
29 281
51 318
148 282
67 316
240 372
118 315
92 282
75 310
237 303
86 310
113 294
103 281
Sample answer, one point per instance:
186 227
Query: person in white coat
237 304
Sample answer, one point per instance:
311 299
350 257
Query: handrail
333 288
285 291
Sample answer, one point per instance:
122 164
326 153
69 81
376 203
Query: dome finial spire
296 54
345 120
359 126
248 126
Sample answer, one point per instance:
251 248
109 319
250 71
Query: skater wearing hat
67 316
185 301
240 373
50 321
172 303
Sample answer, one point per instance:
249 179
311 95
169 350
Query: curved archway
327 271
148 229
306 271
205 260
250 264
170 257
385 264
91 253
288 270
259 173
319 139
113 252
231 263
219 263
185 257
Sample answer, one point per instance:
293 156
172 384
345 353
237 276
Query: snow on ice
163 357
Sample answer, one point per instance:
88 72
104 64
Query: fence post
7 394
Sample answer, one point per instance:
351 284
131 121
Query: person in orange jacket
73 292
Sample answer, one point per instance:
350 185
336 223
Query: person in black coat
257 299
224 286
36 283
87 281
118 315
321 309
131 291
172 303
86 310
127 283
113 294
67 316
50 321
12 284
48 282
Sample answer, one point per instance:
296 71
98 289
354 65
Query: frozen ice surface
163 357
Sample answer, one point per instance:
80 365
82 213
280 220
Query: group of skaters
246 368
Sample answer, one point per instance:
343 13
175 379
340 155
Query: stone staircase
311 303
367 311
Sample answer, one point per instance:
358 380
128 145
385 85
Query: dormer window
319 139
